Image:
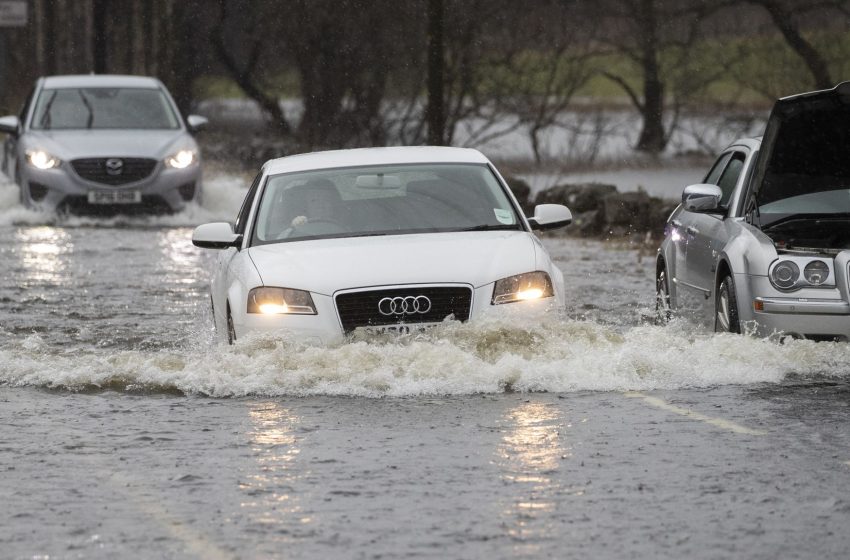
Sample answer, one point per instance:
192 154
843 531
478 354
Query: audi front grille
129 170
403 306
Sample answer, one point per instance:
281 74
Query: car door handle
676 223
692 230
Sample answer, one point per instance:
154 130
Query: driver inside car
315 201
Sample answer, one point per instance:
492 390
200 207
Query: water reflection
180 255
41 254
529 457
270 491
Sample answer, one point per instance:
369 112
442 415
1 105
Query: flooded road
128 430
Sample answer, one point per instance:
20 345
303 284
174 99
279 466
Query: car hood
804 148
327 265
73 144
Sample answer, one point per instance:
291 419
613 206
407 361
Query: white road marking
197 543
716 422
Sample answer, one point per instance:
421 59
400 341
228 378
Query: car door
710 235
690 297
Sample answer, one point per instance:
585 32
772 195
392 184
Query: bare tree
658 38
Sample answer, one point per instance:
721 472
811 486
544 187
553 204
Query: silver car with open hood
762 245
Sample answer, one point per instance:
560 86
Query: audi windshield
382 200
104 108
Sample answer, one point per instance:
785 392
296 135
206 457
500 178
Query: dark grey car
102 142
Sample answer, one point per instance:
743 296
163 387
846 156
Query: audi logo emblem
404 305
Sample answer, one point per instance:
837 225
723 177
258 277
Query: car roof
373 156
99 80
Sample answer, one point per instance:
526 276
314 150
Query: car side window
242 217
730 176
717 169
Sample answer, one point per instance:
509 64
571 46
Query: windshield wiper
45 117
490 227
88 106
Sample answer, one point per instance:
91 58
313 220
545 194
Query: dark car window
716 169
103 108
730 176
242 217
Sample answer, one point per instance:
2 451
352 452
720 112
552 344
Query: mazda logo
114 166
404 305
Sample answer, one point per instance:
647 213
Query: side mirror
9 124
550 216
701 198
218 235
196 122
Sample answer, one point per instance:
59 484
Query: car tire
663 310
231 329
726 307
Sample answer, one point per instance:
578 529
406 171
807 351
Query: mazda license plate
115 197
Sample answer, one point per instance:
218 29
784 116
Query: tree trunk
435 114
811 57
99 35
652 137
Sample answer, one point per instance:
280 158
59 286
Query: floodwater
130 430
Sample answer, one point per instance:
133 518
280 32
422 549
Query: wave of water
222 196
555 355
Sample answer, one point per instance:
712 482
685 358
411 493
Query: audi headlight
41 159
182 159
785 274
816 273
276 301
522 287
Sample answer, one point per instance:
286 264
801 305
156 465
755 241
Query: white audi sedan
378 240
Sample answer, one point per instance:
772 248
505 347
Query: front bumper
325 328
165 188
819 314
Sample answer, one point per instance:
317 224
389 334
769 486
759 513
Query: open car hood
805 146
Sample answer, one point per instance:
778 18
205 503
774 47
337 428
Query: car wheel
231 330
663 310
726 307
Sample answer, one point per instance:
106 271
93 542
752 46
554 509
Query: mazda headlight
182 159
276 301
523 287
41 159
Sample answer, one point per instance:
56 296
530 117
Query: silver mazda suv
102 144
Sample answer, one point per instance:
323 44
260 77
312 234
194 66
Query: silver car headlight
42 160
278 301
786 275
182 159
816 273
523 287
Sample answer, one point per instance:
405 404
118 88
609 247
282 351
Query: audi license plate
115 197
400 329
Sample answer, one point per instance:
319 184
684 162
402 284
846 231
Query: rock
627 212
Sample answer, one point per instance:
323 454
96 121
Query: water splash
222 196
493 356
